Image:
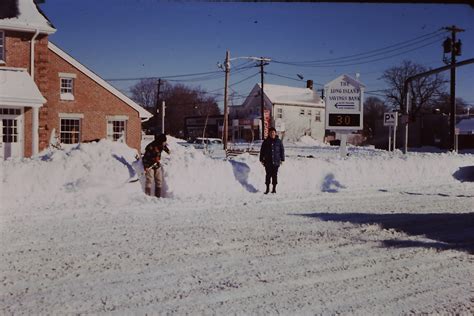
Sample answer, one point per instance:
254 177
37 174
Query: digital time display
341 119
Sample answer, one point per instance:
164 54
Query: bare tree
443 104
374 108
144 93
181 101
423 91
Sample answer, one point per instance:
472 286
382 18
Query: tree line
428 95
181 101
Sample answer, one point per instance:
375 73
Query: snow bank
71 177
309 141
99 173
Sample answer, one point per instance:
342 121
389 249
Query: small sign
390 119
266 121
342 105
457 131
344 120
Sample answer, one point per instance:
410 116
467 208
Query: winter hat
160 138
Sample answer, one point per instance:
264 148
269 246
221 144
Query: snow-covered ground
374 233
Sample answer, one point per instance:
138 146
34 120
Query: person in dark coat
272 155
152 164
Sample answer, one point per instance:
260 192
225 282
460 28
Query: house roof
18 89
24 15
144 114
466 126
291 95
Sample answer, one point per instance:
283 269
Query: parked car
202 143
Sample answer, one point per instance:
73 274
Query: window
70 130
302 112
66 86
317 116
9 131
309 112
2 47
10 111
279 113
116 129
67 89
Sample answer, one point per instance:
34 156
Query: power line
372 60
342 59
282 76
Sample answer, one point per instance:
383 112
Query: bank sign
344 104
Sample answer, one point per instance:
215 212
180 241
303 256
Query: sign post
344 107
163 107
391 120
390 138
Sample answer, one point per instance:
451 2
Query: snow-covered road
375 233
374 251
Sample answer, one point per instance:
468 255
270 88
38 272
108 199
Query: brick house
43 89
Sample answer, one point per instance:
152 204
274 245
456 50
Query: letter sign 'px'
390 119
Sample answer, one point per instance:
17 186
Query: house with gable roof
293 111
45 91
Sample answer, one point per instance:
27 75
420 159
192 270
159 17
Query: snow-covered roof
353 82
144 114
24 15
466 126
291 95
17 88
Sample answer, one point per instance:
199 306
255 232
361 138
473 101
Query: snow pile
100 173
309 141
97 172
188 172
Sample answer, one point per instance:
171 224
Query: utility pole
226 105
424 74
450 45
263 62
157 105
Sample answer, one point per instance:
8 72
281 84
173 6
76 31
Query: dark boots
157 192
267 190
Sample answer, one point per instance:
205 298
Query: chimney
309 84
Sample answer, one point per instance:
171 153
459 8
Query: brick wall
91 100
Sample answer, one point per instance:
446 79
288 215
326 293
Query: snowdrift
102 172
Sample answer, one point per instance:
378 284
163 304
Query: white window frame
2 47
317 116
78 134
66 91
279 113
117 135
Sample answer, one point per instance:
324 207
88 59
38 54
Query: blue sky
147 38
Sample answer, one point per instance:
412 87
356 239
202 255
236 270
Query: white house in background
294 111
465 130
